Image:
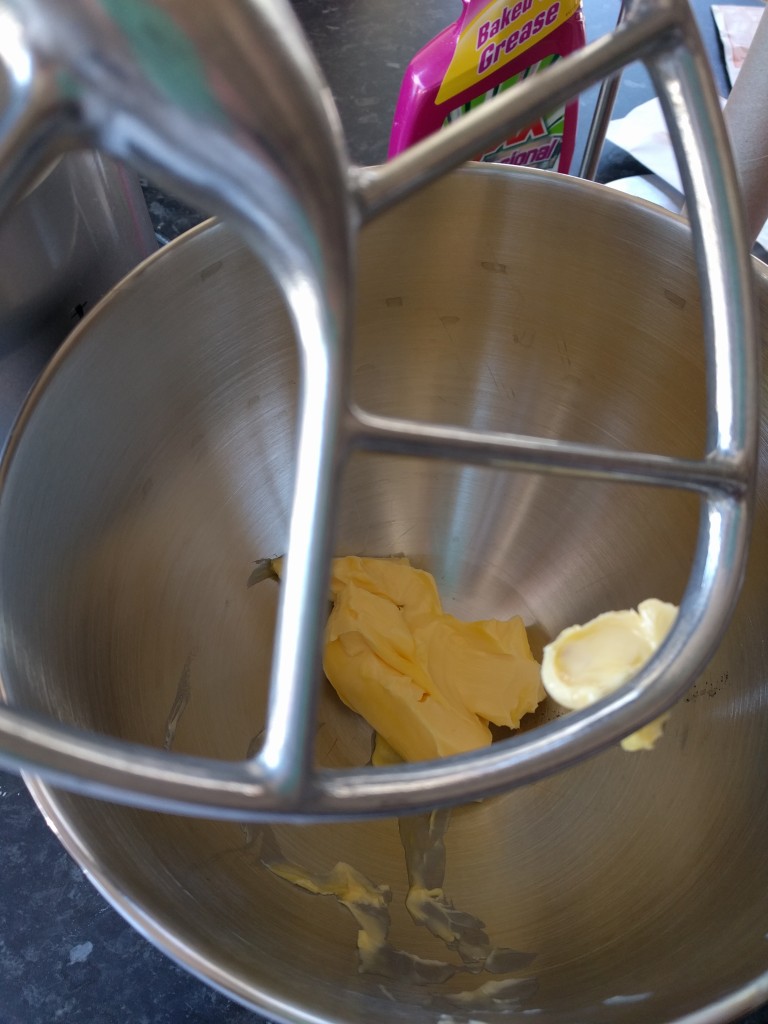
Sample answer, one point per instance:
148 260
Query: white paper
736 27
643 133
650 188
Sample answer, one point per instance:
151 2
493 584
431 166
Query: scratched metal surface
65 954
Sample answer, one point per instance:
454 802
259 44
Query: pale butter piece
586 663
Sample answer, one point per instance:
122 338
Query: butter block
428 683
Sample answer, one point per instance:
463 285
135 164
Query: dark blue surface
65 955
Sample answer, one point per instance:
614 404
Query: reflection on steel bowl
157 467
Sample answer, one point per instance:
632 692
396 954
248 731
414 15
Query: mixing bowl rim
161 935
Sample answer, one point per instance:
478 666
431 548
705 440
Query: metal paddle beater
225 105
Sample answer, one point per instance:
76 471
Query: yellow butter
585 663
428 683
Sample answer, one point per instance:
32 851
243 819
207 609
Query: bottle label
538 145
502 31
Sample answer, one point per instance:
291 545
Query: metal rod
534 454
697 131
601 117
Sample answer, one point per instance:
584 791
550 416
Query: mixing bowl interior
156 469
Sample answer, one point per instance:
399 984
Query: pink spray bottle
494 44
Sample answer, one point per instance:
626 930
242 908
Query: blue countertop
65 954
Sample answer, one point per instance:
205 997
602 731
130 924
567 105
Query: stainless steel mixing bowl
156 469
